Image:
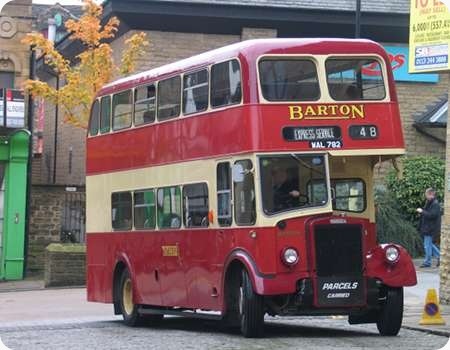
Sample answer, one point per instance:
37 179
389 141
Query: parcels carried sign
429 36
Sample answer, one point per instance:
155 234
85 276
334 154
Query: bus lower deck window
244 195
224 194
121 211
196 205
144 210
169 207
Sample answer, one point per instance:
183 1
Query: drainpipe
30 122
51 37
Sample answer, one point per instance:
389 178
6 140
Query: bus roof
247 50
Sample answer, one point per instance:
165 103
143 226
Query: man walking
430 226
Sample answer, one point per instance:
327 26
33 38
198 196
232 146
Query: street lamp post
358 19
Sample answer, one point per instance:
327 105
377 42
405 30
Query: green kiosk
13 182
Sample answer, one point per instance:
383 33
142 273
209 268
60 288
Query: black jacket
430 219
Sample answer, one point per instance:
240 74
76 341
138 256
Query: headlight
289 256
392 254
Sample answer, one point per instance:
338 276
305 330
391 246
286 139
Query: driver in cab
285 190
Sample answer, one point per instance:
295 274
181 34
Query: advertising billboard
429 36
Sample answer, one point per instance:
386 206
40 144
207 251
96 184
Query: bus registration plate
326 144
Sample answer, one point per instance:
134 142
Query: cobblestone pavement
180 333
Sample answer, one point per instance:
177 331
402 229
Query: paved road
175 333
62 319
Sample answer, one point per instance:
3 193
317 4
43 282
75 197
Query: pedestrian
430 226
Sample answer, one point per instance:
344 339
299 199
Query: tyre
129 310
251 309
390 316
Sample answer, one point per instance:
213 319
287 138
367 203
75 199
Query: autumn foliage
85 75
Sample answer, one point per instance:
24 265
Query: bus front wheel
251 309
390 315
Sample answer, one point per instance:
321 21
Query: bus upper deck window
347 79
195 92
105 114
226 86
289 79
169 98
93 125
122 110
144 105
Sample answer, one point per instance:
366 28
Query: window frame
383 71
289 57
130 228
153 190
158 96
100 114
333 186
181 208
184 207
96 101
113 117
222 191
234 201
155 85
208 85
240 79
293 210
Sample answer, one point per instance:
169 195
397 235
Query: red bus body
196 278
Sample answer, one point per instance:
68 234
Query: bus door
172 277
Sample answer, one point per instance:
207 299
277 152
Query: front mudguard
400 274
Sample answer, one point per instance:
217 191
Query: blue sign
399 56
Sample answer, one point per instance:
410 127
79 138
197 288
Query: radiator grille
338 250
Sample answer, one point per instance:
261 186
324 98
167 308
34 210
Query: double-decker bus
239 183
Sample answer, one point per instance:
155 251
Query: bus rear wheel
390 316
130 311
251 309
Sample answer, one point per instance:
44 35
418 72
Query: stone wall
65 265
46 216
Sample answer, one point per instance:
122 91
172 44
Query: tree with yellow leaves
90 70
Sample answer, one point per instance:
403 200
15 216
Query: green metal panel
14 205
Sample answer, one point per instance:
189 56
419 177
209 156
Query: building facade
15 22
